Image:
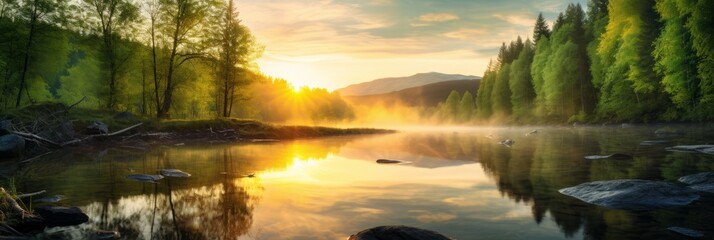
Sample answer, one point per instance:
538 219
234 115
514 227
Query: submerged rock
389 161
534 132
62 216
668 131
692 148
507 142
701 181
145 178
11 145
104 234
50 199
653 142
632 194
687 232
174 173
619 156
397 232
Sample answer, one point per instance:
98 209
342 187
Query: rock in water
653 142
507 142
534 132
50 199
62 216
388 161
687 232
689 148
145 178
632 194
11 145
619 156
397 232
104 234
701 181
174 173
98 127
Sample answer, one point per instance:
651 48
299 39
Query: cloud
520 19
437 17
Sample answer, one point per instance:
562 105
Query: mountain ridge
392 84
429 95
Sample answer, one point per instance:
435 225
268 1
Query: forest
621 61
156 58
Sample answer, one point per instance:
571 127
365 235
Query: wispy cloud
436 33
437 17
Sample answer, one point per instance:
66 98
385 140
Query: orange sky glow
333 43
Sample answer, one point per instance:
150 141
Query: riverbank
38 129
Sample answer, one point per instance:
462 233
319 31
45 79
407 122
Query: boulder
104 234
397 232
668 131
98 127
653 142
5 126
174 173
11 145
632 194
62 216
145 178
701 181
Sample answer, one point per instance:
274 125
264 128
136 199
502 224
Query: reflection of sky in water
338 196
463 185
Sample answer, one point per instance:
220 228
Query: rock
653 142
706 150
98 127
50 199
5 126
389 161
11 145
124 116
668 131
690 148
104 234
619 156
534 132
687 232
632 194
174 173
397 232
625 125
62 216
145 178
701 181
507 142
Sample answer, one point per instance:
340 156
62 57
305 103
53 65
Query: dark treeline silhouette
640 61
159 58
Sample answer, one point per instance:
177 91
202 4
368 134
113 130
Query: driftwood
34 137
75 104
101 135
35 157
31 194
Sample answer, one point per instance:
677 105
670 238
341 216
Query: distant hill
428 95
386 85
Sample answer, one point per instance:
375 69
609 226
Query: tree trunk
26 62
153 58
168 93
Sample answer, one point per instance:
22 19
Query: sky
334 43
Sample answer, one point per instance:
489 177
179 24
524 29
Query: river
459 182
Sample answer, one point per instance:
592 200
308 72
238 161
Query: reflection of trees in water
534 169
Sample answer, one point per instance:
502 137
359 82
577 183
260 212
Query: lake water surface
460 182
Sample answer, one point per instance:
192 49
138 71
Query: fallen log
33 137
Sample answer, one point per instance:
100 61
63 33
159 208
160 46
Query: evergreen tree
541 28
483 96
701 27
466 106
452 104
520 82
501 94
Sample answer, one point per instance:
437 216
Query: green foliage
676 60
453 102
540 60
626 47
483 96
466 107
701 25
541 28
501 95
520 82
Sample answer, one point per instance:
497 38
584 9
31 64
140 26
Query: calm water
461 183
